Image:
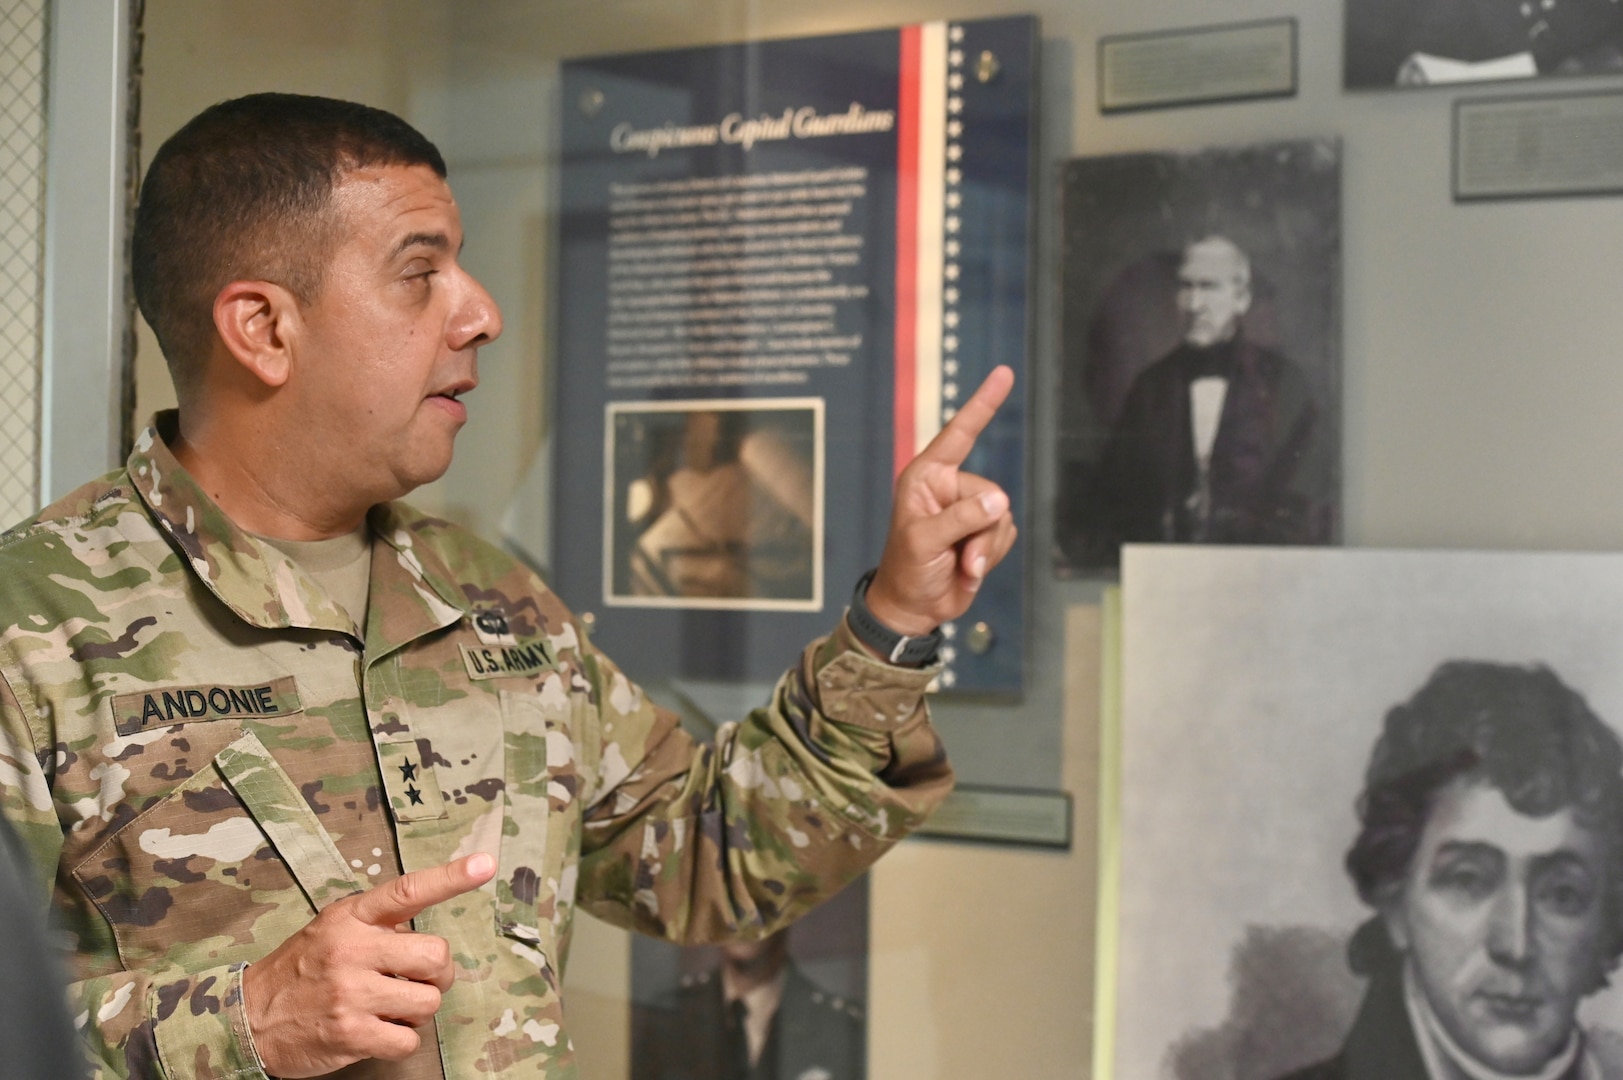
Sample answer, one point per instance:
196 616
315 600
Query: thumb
404 898
980 506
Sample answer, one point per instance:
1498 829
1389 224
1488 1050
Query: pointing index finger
957 436
407 896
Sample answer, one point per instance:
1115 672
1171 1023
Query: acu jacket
203 750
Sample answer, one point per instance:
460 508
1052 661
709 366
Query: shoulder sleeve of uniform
26 757
700 841
79 505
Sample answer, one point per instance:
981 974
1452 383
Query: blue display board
783 265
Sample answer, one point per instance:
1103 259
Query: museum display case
752 253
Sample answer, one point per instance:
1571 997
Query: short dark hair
1520 729
244 191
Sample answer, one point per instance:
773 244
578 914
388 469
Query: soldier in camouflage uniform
320 780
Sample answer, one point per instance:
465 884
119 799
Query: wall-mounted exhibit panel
830 228
1538 146
1205 65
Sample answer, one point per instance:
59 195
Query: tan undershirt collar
341 565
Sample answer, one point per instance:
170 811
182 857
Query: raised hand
948 528
356 980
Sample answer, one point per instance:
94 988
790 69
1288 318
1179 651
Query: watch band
894 647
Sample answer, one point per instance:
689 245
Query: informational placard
1538 147
785 264
1003 815
1205 64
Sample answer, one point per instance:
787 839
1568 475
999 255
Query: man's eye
1466 879
1565 894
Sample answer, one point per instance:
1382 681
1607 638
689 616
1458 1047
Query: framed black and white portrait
1200 383
791 1006
1414 43
1370 821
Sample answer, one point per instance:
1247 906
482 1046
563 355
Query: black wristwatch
897 648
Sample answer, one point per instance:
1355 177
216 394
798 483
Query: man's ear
255 320
1390 905
1243 300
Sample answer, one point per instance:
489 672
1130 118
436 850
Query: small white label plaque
1003 815
1532 147
1206 64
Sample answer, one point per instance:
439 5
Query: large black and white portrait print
1371 820
1200 389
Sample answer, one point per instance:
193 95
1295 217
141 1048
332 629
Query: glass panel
22 249
1479 411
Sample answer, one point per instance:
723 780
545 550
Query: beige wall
388 53
1480 387
982 957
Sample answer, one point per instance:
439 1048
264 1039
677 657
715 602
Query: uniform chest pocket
222 869
535 883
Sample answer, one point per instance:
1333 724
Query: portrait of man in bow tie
1198 396
1200 387
1218 441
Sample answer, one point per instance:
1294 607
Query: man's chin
1517 1050
421 470
427 477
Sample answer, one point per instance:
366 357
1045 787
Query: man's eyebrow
1470 849
1561 858
436 240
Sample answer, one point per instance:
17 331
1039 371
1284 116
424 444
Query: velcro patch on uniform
507 661
170 705
409 781
493 628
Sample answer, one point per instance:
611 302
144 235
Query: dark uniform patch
170 705
409 781
506 661
493 628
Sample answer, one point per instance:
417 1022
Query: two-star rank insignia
409 781
408 773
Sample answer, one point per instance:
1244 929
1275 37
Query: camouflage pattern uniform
200 746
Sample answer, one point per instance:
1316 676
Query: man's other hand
948 527
356 980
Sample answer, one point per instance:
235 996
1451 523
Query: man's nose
1510 932
478 321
